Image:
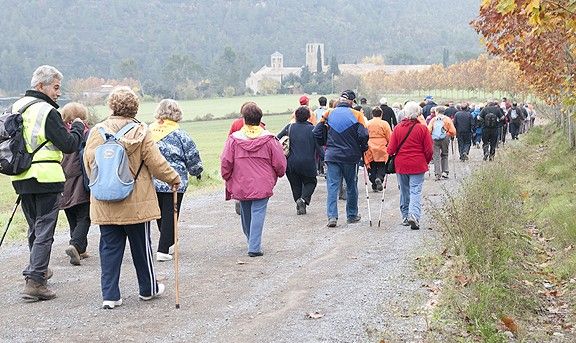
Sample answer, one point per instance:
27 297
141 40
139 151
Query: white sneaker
110 304
162 257
171 250
161 289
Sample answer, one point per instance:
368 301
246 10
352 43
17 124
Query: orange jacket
379 133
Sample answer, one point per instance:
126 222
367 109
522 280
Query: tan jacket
141 205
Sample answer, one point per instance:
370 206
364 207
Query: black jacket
450 112
389 115
427 108
495 109
303 148
464 123
57 134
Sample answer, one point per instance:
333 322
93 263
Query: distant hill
140 38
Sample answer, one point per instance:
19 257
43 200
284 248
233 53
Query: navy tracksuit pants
112 245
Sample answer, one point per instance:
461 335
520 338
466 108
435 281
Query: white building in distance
277 71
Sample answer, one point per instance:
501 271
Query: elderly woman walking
412 144
180 151
251 163
128 218
301 170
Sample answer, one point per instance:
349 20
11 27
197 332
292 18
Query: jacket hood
251 144
132 139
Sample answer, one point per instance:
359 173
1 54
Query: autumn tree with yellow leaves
539 36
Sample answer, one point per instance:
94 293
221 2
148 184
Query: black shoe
485 157
491 158
414 225
255 254
237 207
352 220
300 206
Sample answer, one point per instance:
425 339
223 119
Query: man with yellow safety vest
40 187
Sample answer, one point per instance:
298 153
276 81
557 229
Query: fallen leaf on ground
314 315
510 324
462 280
241 262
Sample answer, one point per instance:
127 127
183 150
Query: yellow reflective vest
46 166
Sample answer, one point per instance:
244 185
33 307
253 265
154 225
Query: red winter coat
416 152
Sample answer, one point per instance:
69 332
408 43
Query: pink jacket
251 167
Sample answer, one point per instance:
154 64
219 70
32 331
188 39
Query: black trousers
166 222
490 140
79 221
377 171
302 186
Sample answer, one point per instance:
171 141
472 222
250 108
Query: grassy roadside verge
509 268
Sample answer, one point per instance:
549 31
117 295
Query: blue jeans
410 194
335 172
252 215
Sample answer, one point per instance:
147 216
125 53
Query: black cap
349 95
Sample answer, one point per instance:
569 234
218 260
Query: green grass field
220 107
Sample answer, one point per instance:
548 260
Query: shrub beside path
352 283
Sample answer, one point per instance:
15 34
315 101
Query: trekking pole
175 198
367 195
382 201
10 220
453 159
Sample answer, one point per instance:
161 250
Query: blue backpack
438 131
111 179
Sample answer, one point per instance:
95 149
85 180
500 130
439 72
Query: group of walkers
333 141
159 157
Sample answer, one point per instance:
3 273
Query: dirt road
361 280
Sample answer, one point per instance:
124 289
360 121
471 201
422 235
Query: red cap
304 100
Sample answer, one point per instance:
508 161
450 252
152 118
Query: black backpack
490 120
14 158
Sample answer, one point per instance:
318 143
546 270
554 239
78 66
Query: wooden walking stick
175 198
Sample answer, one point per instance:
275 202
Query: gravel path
361 280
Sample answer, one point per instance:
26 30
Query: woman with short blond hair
181 153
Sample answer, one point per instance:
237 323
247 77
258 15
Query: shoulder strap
25 107
408 134
125 130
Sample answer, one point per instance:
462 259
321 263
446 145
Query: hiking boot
255 254
161 289
300 206
352 220
485 157
110 304
162 257
48 274
405 222
74 255
414 225
379 186
34 291
332 222
237 207
491 158
84 255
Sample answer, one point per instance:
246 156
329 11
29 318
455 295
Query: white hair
411 110
168 109
44 75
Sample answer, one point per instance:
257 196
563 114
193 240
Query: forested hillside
163 42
